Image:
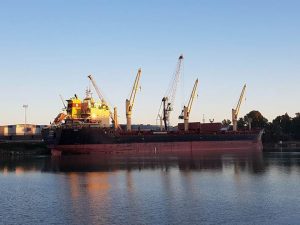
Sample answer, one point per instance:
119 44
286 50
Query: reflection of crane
168 99
113 116
187 109
235 112
130 102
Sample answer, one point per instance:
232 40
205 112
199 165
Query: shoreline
285 146
23 147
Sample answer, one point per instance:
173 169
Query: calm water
218 188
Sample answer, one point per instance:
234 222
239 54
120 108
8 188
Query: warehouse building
21 129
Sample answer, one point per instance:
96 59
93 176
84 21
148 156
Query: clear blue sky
48 48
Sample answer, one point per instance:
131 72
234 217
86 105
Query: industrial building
21 129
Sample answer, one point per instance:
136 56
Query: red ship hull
158 147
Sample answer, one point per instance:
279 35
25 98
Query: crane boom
135 87
187 109
96 88
235 112
130 102
171 93
192 96
113 116
169 98
237 109
63 101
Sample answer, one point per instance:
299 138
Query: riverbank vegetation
282 128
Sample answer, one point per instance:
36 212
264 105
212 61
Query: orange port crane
130 102
185 114
169 98
235 112
113 116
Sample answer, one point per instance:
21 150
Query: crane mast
130 102
235 112
185 115
113 116
169 98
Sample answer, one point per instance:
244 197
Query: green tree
296 126
281 128
257 119
284 123
226 122
241 124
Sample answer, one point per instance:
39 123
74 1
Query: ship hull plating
158 147
95 140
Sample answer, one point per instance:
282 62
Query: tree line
282 128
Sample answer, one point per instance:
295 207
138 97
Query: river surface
208 188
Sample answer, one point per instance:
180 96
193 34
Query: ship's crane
63 101
97 89
235 112
113 116
185 115
130 101
169 98
63 115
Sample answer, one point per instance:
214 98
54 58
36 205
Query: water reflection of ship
93 190
243 161
87 191
252 162
21 164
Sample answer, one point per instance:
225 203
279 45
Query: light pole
25 125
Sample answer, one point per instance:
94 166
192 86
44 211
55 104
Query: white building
19 129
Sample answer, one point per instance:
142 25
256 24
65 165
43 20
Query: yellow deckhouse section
95 111
88 110
74 108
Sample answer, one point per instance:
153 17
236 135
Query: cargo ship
88 127
92 138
